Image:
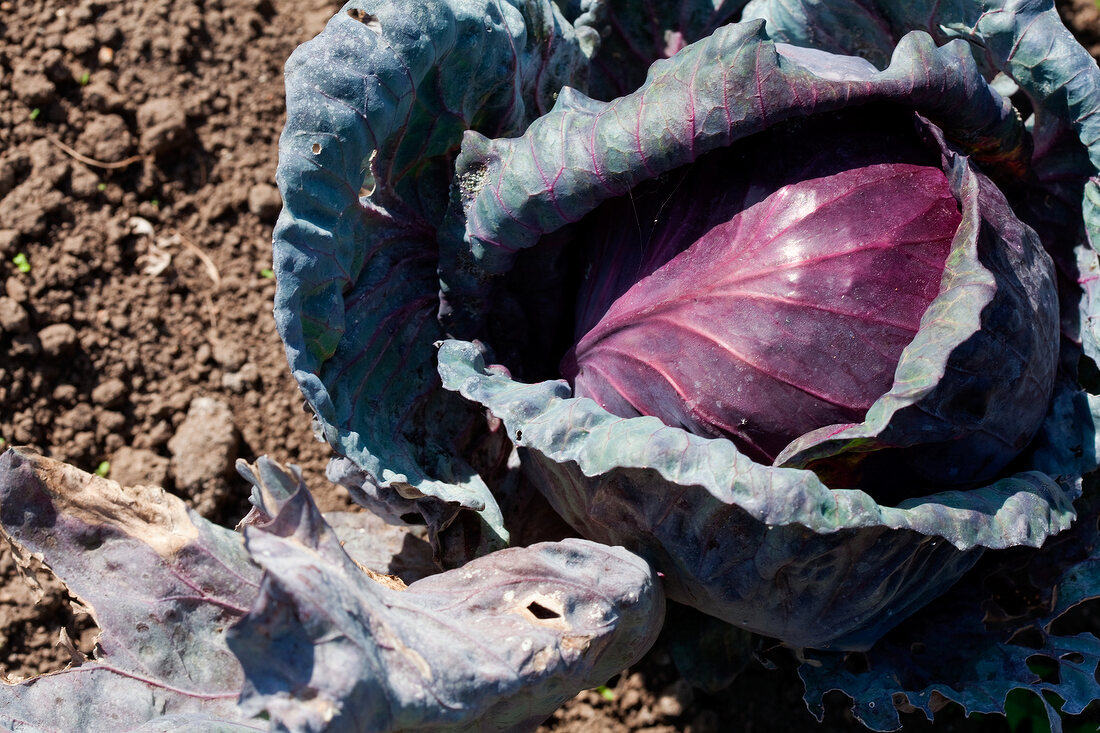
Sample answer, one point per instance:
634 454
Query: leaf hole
1081 618
370 21
1088 375
1045 667
1029 637
856 663
541 612
316 148
1074 657
90 540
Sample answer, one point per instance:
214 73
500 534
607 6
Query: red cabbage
788 317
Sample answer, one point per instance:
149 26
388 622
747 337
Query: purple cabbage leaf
161 583
283 629
495 645
601 473
1025 46
773 301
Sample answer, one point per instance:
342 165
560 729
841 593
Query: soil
137 158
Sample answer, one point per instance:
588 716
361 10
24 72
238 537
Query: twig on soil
213 315
211 268
127 162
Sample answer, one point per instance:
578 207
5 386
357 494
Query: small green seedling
268 273
103 469
2 443
101 186
85 78
606 693
21 263
34 113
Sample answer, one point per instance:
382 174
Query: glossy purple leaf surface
629 237
789 317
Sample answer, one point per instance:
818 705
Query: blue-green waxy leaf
370 247
162 584
973 644
632 35
376 107
1023 39
494 645
769 549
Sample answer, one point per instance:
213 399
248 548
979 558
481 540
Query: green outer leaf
729 534
1024 39
162 584
377 105
730 85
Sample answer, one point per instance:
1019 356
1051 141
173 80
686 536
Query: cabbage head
795 300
